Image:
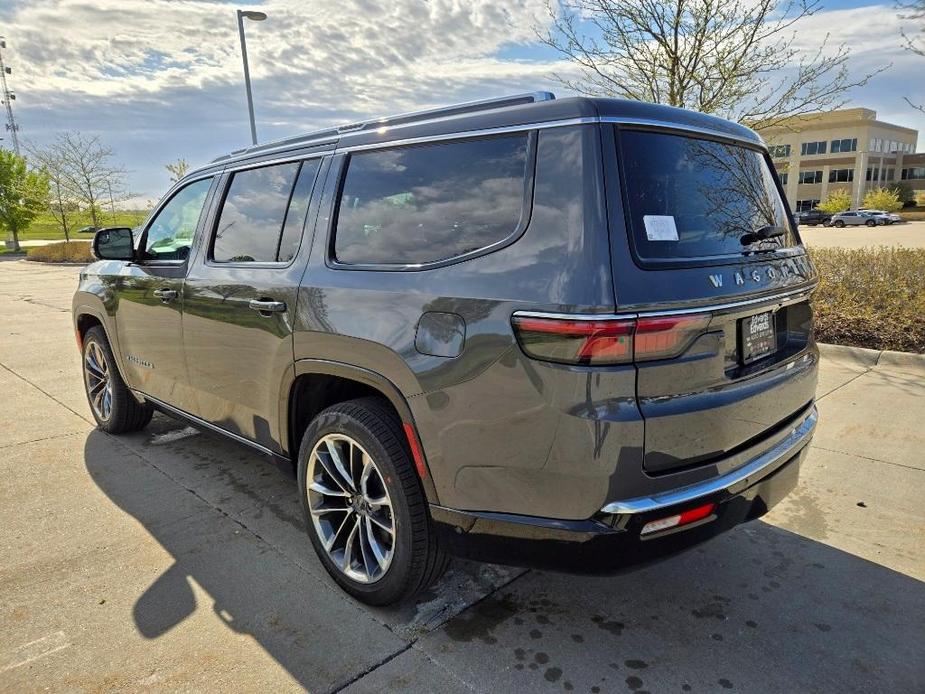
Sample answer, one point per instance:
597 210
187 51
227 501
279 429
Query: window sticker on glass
660 227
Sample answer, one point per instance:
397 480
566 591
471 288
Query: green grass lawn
45 227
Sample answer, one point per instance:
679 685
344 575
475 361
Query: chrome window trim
467 134
668 125
204 423
797 439
782 298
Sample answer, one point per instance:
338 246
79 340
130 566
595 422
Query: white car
856 218
888 217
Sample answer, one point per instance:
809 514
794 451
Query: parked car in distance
814 217
886 217
856 218
497 330
88 230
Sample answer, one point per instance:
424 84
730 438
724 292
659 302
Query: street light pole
254 17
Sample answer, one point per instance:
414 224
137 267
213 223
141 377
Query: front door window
170 233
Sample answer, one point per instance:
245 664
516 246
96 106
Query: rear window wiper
762 234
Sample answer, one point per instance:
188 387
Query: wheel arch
319 383
86 317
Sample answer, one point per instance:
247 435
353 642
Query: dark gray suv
565 333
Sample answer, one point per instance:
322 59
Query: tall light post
254 17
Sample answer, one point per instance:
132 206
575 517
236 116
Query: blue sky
161 79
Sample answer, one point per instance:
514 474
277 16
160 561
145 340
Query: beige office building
849 149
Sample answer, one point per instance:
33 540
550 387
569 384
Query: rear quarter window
428 203
690 198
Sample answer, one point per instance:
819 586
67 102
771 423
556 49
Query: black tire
871 223
417 559
838 223
125 413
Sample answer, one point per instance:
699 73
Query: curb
868 358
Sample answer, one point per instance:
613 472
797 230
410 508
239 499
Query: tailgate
722 395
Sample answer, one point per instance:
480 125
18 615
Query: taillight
607 340
686 518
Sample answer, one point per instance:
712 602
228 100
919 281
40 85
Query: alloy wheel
98 381
350 508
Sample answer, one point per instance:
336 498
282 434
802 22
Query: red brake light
606 341
679 519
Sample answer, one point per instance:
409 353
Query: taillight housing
596 341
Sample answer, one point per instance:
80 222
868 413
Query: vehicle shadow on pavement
759 609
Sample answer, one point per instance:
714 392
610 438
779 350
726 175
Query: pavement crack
865 457
356 678
850 380
47 394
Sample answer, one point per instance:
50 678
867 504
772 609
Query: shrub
73 252
882 199
836 201
871 297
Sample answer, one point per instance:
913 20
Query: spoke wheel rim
98 381
350 507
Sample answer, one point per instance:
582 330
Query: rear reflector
415 447
683 518
606 341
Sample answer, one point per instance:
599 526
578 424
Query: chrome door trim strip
650 123
466 134
203 423
781 298
789 446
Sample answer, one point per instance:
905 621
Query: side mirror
114 243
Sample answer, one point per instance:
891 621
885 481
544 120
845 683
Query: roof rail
332 134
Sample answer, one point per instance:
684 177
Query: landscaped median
73 252
871 297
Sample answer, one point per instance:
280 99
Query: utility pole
8 97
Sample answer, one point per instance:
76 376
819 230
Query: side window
170 233
426 203
251 219
291 238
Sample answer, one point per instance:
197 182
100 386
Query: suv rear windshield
692 198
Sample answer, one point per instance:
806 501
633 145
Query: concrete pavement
175 560
907 234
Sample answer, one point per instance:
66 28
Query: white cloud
159 79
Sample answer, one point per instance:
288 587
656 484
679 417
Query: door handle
267 306
165 294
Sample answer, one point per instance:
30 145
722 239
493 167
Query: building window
783 177
873 174
888 174
808 148
779 151
846 145
806 205
810 177
841 175
913 173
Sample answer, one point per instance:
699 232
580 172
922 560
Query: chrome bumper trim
789 446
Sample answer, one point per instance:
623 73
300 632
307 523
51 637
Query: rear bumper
611 540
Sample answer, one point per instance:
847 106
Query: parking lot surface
175 560
907 234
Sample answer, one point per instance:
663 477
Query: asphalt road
174 560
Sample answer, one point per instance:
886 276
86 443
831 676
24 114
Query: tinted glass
427 203
692 198
298 207
252 215
170 233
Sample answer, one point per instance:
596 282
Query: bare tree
177 169
90 172
914 10
62 201
734 58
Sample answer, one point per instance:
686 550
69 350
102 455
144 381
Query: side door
240 297
149 308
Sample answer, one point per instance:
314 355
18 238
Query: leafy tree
177 169
63 202
836 201
735 59
905 193
23 194
882 199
